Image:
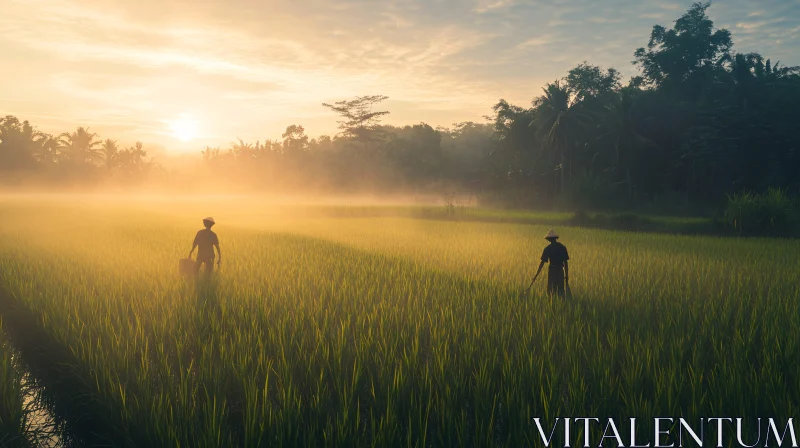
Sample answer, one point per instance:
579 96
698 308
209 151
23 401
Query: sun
184 128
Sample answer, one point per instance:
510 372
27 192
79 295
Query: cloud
483 6
247 68
536 42
560 23
750 25
753 26
604 20
253 59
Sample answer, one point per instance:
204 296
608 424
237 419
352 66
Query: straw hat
209 219
551 234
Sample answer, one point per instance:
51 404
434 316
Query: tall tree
619 129
133 161
591 83
110 153
561 120
47 150
516 156
686 58
358 120
80 146
19 142
295 140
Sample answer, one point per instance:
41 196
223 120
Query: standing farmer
558 272
205 241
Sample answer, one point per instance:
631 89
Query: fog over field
346 321
435 224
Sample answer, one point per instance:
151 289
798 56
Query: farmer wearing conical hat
205 241
558 271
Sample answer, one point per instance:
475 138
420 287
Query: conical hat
551 234
209 219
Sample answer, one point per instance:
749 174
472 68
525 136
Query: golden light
185 128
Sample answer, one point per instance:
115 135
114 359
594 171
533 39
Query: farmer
558 272
205 241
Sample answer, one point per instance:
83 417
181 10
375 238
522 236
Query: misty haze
421 223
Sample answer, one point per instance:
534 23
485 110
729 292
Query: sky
182 74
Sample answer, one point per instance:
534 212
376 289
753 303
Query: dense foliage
771 213
699 123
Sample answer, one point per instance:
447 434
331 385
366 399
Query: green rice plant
771 213
394 331
12 417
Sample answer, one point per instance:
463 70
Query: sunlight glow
184 128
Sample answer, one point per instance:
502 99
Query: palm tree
138 154
47 150
560 121
110 152
133 159
745 70
135 156
80 146
769 72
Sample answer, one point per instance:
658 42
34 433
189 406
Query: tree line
699 122
72 157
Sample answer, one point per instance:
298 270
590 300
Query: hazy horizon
136 71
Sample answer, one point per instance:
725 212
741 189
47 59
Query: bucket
186 267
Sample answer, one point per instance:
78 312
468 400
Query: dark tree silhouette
19 144
592 85
80 146
110 154
359 121
700 122
295 140
620 130
686 58
561 121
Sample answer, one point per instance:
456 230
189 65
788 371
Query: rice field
12 418
389 331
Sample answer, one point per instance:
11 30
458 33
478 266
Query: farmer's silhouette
205 241
558 271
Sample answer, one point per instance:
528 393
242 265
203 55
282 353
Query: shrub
630 221
770 214
622 221
581 219
601 220
591 190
